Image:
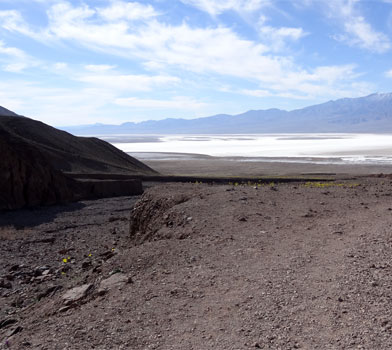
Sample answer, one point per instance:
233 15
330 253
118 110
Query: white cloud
127 10
60 66
179 102
76 105
99 67
13 21
14 59
205 51
256 93
60 106
277 37
389 73
322 82
357 31
117 81
216 7
12 51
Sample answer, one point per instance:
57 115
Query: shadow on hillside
31 217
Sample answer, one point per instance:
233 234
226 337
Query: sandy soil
278 266
223 167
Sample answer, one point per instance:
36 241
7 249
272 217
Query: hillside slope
220 267
71 154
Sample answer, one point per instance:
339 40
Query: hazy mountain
371 113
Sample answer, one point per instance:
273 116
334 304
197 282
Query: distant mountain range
369 114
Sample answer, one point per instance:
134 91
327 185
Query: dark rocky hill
71 154
36 161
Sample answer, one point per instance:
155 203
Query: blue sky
110 61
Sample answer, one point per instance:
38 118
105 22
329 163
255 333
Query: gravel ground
194 266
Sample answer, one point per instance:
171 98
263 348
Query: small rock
76 294
64 308
9 277
14 331
49 292
114 281
40 270
5 284
15 267
86 264
7 322
107 255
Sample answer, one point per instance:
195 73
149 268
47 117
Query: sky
73 62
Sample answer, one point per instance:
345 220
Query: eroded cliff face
26 179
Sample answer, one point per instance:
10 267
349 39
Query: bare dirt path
283 266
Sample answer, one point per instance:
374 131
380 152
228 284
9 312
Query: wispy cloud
357 31
216 7
99 67
276 38
218 50
14 59
13 21
128 10
128 82
56 106
388 74
178 102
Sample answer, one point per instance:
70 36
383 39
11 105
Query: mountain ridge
372 113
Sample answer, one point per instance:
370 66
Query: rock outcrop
26 179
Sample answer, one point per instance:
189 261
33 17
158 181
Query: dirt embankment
277 266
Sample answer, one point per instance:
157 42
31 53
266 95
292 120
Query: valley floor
276 266
226 167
